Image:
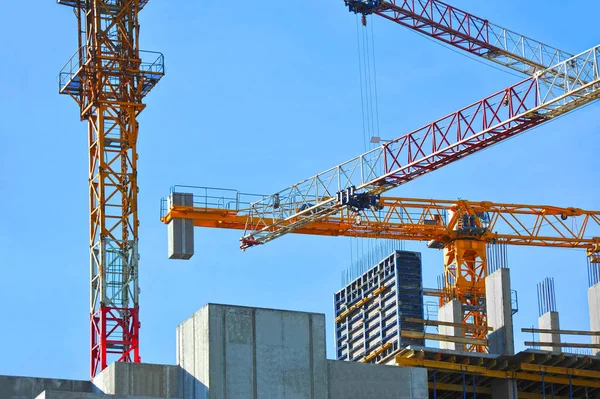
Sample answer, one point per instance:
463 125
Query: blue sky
258 95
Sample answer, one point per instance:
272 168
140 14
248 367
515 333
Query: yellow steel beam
444 338
459 388
439 365
560 370
562 344
514 375
360 303
447 323
441 386
565 332
376 352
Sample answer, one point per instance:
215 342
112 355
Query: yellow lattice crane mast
108 79
463 229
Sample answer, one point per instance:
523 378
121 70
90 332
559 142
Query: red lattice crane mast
108 79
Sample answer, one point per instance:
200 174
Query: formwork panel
380 318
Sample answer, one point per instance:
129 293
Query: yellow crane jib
437 222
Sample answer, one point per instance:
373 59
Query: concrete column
181 231
594 305
549 321
504 389
499 312
452 312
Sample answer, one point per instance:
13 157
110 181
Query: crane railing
433 220
527 104
465 31
110 4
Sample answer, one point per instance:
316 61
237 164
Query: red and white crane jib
465 31
504 114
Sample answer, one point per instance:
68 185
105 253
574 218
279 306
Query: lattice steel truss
534 101
546 95
465 31
108 79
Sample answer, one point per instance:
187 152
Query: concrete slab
451 312
140 379
83 395
181 231
348 380
14 387
499 312
550 321
594 307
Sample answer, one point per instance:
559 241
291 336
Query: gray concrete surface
594 307
348 380
503 389
550 321
13 387
499 312
181 231
239 352
82 395
140 379
234 352
451 312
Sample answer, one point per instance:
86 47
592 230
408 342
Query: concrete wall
140 379
29 388
550 321
349 380
594 307
239 352
499 312
248 353
451 312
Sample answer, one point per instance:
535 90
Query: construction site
442 294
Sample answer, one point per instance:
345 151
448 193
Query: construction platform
528 374
241 352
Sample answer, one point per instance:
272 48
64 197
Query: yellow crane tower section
108 77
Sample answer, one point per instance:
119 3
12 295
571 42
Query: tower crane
465 31
357 182
558 84
462 228
108 79
356 185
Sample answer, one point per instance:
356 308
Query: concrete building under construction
228 351
386 344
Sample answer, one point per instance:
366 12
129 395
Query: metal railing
71 68
82 3
152 70
213 198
